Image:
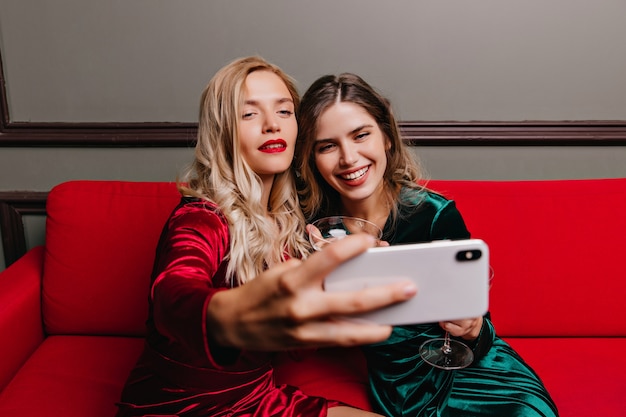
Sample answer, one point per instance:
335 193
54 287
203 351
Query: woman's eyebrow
322 140
353 131
281 100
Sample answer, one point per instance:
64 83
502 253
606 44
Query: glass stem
446 349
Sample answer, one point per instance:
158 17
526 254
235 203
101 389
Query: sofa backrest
100 243
557 249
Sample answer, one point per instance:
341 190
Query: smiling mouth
356 174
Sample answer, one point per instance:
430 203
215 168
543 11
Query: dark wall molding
13 206
527 133
143 135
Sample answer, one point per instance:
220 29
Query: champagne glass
447 353
328 229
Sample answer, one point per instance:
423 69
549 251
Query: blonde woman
229 285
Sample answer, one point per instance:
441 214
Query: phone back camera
468 255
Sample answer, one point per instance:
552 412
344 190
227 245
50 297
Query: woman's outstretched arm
286 306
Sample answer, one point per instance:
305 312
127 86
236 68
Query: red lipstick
273 146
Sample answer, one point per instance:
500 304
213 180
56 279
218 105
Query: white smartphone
452 278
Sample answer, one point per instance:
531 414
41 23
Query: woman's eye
286 113
247 115
362 135
325 147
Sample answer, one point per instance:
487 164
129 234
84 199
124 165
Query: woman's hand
286 306
468 329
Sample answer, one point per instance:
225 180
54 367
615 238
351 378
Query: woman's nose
271 124
349 156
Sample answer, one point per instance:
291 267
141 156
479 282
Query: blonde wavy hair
219 174
317 197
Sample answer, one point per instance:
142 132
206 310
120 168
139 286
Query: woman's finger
322 262
315 304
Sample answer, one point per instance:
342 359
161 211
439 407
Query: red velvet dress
180 371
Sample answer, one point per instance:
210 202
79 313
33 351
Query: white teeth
356 174
273 146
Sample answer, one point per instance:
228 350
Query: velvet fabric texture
180 372
497 383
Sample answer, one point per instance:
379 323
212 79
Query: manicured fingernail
410 290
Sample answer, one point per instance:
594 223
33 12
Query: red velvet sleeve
187 274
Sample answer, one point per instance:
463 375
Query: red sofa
72 312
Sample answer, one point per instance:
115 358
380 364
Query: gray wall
147 61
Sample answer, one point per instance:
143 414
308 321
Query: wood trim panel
570 133
538 133
13 206
144 135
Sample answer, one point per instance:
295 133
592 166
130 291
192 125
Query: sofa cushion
101 238
557 270
585 376
72 376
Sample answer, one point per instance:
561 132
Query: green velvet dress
498 383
